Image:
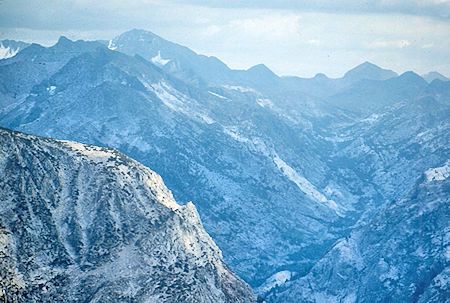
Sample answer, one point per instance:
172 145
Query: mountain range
281 169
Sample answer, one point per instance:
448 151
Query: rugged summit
368 71
176 59
80 223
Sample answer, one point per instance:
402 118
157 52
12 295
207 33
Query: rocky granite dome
80 223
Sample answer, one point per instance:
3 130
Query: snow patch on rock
51 90
304 185
158 60
438 173
240 88
264 102
275 280
111 45
7 52
217 95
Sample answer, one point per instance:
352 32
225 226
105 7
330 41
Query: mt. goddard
283 170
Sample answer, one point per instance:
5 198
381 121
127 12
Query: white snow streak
178 102
7 52
275 280
233 134
217 95
111 45
95 153
51 90
303 184
158 60
240 88
264 102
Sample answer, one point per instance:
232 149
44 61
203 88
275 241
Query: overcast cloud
290 37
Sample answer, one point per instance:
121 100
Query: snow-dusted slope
10 48
401 255
278 175
80 223
176 59
188 135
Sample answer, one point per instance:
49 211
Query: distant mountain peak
410 75
429 77
63 40
137 41
369 71
368 63
185 64
139 31
320 76
261 70
140 34
259 67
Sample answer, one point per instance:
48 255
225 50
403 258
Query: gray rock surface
80 223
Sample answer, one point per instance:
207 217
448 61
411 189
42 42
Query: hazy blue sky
290 37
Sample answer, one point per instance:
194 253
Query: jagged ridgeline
281 169
80 223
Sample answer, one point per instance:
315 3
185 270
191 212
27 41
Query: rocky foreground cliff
80 223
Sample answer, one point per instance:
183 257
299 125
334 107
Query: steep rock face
401 255
80 223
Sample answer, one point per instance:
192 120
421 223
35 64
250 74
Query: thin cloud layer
291 38
433 8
